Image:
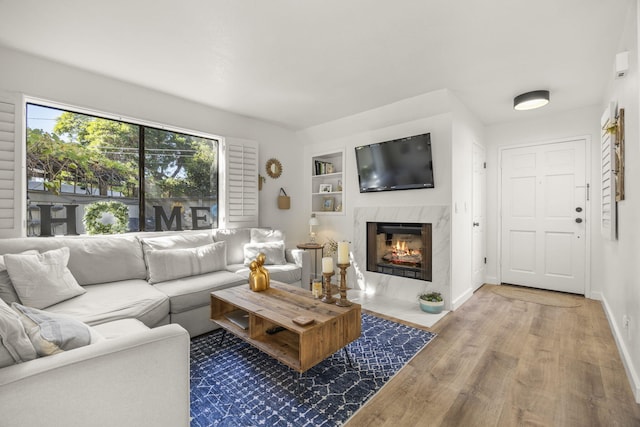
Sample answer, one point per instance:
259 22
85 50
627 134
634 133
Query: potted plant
431 302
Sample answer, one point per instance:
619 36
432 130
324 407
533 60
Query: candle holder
326 294
343 301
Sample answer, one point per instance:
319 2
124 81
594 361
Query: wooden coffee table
299 347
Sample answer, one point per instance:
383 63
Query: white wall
453 130
466 129
37 77
425 113
618 269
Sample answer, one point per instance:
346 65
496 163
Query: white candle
343 252
327 265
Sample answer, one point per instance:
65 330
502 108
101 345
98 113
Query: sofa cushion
42 280
106 302
175 241
273 251
120 328
286 273
263 235
52 333
7 291
13 338
169 264
191 292
236 239
103 259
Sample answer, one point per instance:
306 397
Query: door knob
578 220
476 224
578 209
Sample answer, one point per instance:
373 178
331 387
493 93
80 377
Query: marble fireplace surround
401 288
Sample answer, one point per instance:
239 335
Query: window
167 180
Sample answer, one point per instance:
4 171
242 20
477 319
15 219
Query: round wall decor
274 168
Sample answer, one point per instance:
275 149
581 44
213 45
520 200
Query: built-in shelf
327 183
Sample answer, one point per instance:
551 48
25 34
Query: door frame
484 218
588 205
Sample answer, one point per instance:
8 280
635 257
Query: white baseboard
634 380
596 296
461 299
491 280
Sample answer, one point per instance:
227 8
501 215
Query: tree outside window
77 159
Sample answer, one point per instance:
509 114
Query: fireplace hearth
400 249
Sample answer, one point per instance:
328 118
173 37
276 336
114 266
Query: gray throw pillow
42 280
13 338
52 333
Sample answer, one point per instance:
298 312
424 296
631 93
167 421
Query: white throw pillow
13 338
7 291
42 280
52 333
273 251
172 264
263 235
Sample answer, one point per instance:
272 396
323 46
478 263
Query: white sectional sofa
145 294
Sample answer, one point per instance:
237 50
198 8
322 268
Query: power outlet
626 320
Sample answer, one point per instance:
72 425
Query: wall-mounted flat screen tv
399 164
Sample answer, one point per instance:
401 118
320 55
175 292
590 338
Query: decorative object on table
313 222
259 276
261 180
106 218
316 287
327 203
327 272
284 201
261 259
254 382
431 302
303 321
324 188
274 168
343 264
339 186
343 301
331 247
343 252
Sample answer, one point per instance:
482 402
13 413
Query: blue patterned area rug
234 384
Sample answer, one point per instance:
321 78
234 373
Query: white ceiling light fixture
531 100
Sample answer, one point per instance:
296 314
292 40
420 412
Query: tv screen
400 164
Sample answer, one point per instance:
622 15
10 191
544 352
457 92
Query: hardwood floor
505 362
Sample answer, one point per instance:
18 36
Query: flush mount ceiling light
531 100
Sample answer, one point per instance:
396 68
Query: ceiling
301 63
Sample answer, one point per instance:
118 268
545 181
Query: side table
315 247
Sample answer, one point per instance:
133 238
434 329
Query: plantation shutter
11 194
608 182
240 176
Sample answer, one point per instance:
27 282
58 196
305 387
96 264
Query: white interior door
478 216
543 232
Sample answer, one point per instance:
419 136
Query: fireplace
399 249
